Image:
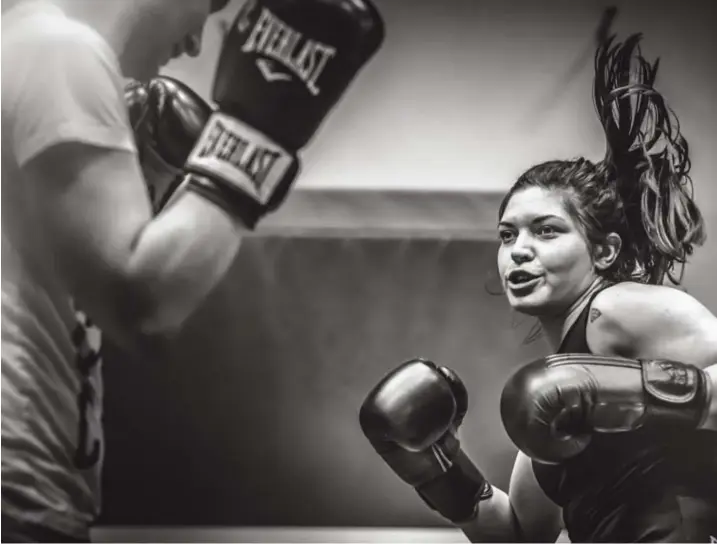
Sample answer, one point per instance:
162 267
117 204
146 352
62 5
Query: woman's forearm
710 422
495 522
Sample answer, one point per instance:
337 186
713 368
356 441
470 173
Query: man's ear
606 253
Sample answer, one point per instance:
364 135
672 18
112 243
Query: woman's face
544 260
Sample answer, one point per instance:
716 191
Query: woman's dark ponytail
647 157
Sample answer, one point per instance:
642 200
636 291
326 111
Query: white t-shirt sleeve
65 87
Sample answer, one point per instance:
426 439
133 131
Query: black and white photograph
359 271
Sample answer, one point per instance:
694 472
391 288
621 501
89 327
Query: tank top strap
575 340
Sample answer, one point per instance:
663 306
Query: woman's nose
522 250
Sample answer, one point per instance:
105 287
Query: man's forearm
178 259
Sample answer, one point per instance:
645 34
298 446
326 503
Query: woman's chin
532 305
529 309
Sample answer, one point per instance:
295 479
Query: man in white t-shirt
83 244
78 232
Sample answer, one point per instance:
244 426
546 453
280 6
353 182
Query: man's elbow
147 324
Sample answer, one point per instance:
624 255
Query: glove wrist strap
226 199
247 167
678 392
457 493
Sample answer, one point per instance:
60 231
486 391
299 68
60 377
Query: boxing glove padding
551 407
413 405
167 114
283 65
460 394
167 118
410 418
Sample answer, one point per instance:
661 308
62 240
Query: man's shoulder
41 28
44 53
62 83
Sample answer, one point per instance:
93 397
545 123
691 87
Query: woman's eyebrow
537 219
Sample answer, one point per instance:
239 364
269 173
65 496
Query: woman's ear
606 254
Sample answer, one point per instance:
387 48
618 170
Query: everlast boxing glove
411 418
552 406
167 118
283 66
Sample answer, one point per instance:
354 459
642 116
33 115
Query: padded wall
253 421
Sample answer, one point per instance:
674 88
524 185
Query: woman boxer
585 248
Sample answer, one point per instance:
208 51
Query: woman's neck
555 327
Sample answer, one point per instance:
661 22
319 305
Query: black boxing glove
283 66
411 418
167 118
553 406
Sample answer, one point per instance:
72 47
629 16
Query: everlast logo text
274 39
241 156
225 145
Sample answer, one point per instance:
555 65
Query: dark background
253 418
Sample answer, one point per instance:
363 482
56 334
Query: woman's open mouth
522 281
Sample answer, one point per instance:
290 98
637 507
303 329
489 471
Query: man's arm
139 277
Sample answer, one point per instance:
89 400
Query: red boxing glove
552 406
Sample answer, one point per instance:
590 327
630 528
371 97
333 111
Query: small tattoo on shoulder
594 314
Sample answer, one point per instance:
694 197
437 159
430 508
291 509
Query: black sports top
637 486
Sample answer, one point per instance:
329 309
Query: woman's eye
546 230
506 236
